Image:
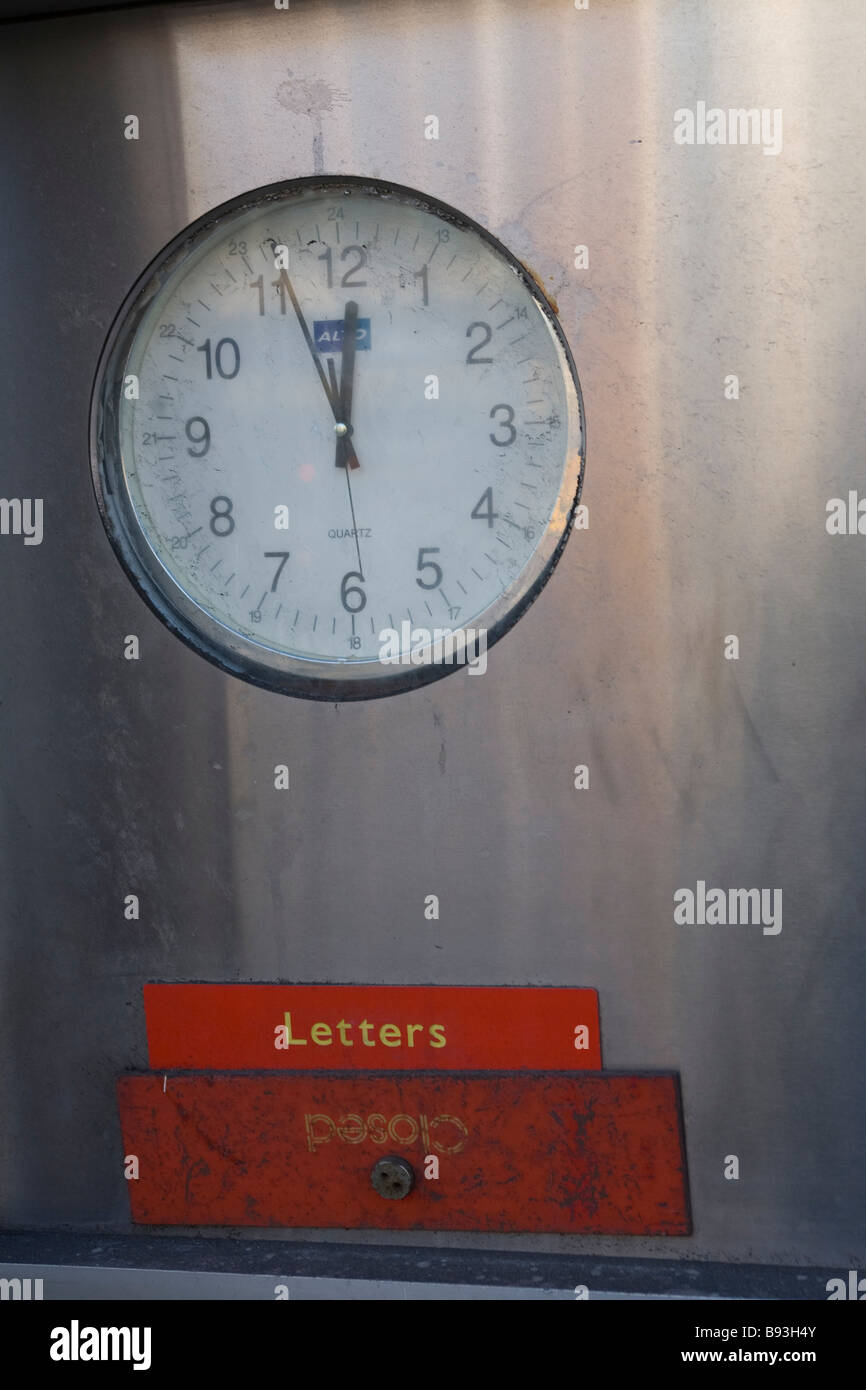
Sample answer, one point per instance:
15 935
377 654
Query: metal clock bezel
233 653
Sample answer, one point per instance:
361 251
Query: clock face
337 438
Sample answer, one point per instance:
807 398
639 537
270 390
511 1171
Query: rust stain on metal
541 285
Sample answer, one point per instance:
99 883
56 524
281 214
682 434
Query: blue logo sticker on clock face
328 335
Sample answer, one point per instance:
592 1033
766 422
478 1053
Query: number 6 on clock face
334 422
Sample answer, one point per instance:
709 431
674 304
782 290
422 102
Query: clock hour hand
342 431
332 377
333 401
345 452
343 397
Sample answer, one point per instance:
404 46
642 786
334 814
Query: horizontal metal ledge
353 1267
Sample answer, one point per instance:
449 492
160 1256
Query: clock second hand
354 524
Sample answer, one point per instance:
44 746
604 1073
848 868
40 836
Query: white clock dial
334 418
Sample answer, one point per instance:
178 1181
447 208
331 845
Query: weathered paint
587 1153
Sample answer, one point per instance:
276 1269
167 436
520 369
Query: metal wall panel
707 517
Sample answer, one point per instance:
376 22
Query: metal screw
392 1177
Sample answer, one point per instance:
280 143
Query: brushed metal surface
707 517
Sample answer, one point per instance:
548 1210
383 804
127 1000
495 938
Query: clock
337 438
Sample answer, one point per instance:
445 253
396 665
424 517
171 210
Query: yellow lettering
378 1134
313 1139
403 1138
290 1041
389 1034
450 1120
352 1129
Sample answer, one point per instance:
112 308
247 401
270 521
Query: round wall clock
337 438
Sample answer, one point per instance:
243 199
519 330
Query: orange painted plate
371 1027
586 1153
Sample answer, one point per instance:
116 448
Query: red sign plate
371 1027
600 1154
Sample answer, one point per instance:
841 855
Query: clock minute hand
332 399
